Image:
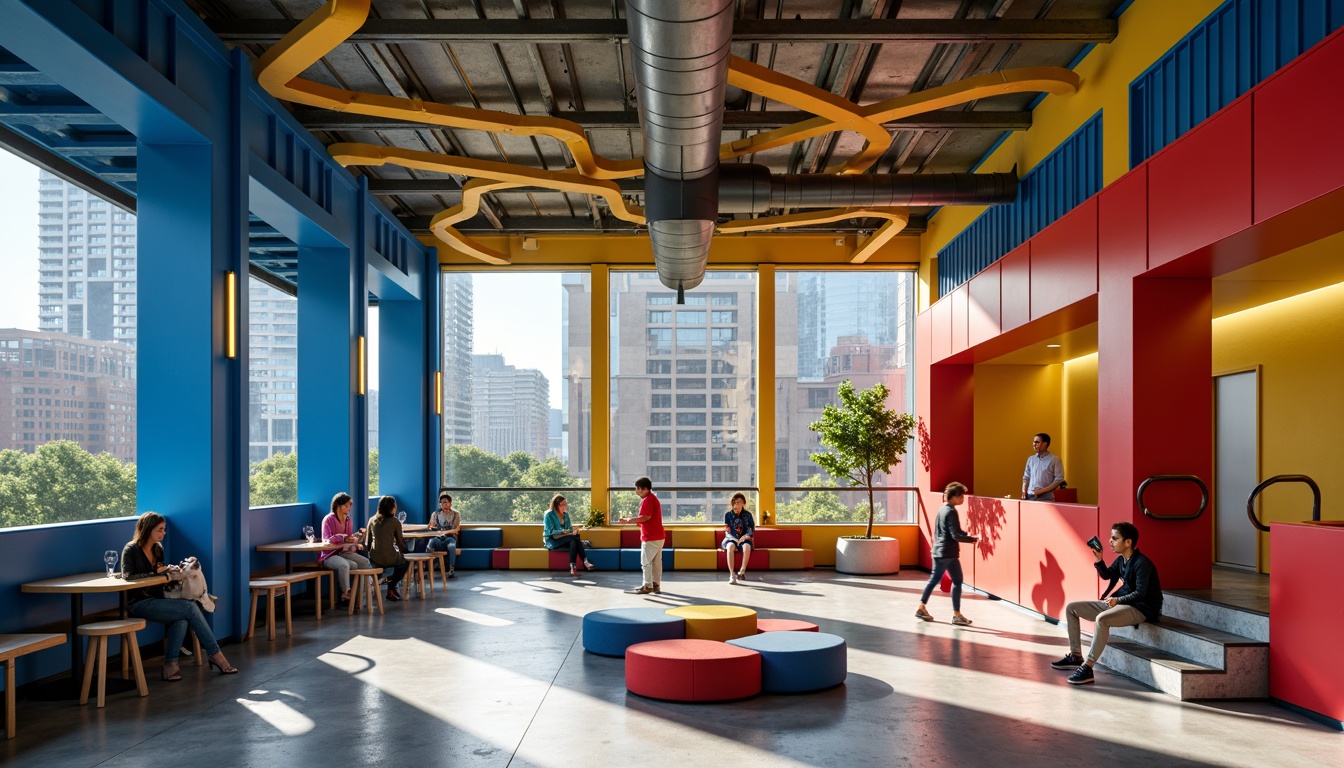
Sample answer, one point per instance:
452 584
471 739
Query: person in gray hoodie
946 553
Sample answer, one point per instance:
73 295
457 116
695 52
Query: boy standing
947 536
651 535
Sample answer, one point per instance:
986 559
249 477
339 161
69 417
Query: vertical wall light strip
231 315
438 393
361 368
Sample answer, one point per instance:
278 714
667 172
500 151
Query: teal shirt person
555 523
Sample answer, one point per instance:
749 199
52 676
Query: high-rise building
457 358
273 371
834 305
54 386
684 397
511 408
86 264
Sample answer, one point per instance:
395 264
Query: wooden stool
314 576
11 648
98 632
271 588
442 558
316 566
363 582
420 563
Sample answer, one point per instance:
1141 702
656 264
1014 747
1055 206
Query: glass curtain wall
517 379
683 393
67 352
832 327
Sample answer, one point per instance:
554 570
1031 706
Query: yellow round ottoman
716 622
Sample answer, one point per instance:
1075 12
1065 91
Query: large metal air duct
754 189
679 52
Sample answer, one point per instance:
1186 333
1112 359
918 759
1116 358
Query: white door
1236 466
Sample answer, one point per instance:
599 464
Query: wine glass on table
110 559
401 516
309 534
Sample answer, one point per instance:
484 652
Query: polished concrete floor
494 674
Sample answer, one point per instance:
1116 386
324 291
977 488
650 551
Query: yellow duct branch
896 218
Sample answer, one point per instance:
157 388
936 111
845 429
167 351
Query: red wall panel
996 522
941 316
1056 563
1199 188
982 310
959 302
1015 287
1306 617
1064 261
1298 114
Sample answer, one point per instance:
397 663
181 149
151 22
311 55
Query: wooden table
76 587
295 545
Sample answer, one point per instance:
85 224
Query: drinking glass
110 558
401 516
308 534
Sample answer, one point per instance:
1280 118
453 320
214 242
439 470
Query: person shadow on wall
1047 596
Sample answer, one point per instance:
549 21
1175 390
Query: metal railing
1203 491
1315 491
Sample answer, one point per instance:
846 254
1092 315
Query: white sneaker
732 578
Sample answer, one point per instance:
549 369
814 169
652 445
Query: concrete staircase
1200 650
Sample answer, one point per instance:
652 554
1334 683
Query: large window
832 327
67 356
704 351
272 394
517 381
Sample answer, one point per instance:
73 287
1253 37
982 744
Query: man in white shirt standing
1044 472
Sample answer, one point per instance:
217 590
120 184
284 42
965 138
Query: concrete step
1190 661
1238 621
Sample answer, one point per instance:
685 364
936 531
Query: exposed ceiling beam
327 120
497 31
63 167
450 188
584 225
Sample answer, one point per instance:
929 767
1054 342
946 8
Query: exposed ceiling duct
679 51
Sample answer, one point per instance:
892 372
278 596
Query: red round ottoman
692 670
785 625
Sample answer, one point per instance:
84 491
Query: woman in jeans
559 533
340 535
386 545
447 520
142 558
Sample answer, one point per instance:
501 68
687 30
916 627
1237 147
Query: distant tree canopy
61 482
275 479
466 466
820 506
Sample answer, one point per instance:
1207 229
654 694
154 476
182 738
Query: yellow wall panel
1297 344
1012 403
821 540
695 559
521 535
603 538
692 538
1078 438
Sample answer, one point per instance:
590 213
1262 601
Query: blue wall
1065 178
1237 46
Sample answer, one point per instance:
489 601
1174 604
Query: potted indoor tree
865 438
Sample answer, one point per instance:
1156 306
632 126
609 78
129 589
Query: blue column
332 432
191 407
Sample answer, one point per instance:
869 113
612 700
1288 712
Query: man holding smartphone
1137 601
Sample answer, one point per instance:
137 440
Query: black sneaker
1071 660
1082 676
451 574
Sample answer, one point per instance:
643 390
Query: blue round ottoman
609 632
795 662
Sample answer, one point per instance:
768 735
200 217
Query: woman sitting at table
446 519
143 559
338 531
386 544
559 533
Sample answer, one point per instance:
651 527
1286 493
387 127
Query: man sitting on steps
1139 600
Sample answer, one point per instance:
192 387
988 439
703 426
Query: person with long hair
142 558
343 542
738 537
386 545
559 533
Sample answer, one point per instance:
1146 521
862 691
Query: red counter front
1306 616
